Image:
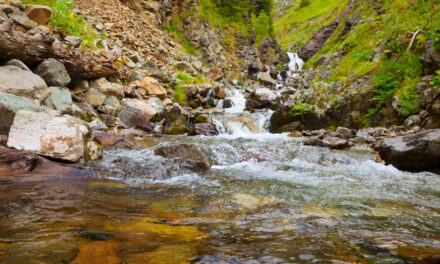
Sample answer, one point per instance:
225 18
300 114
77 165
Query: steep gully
266 198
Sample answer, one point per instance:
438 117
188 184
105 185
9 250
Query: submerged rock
420 151
190 153
41 133
98 252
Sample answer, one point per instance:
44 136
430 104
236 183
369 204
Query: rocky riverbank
65 103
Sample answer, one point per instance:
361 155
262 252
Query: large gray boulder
14 80
44 134
420 151
60 99
9 105
53 72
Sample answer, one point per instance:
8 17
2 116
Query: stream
266 199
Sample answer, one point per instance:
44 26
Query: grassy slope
393 25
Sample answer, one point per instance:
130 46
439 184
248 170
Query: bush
261 25
179 94
72 24
397 77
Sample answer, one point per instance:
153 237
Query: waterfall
235 120
295 64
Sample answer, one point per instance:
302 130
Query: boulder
176 121
6 8
343 132
334 143
53 72
59 99
40 133
205 129
9 105
18 64
22 19
38 13
419 151
94 97
430 58
185 66
107 88
148 111
134 117
157 104
266 79
190 153
14 80
153 87
262 98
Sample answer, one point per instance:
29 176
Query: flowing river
266 199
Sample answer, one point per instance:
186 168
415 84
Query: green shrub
179 94
261 25
172 29
185 77
72 24
301 110
397 77
436 81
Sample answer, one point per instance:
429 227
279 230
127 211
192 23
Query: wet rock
14 80
18 64
41 133
106 139
419 151
94 97
59 99
53 72
10 105
39 13
134 117
335 143
107 88
153 87
205 129
22 19
262 98
252 202
190 153
176 121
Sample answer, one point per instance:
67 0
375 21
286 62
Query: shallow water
266 199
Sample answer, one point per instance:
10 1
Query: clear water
266 199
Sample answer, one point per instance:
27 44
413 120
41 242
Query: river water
266 199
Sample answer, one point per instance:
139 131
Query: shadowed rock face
317 42
420 151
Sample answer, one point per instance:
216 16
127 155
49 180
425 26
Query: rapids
266 199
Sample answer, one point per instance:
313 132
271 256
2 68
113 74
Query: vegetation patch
63 17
